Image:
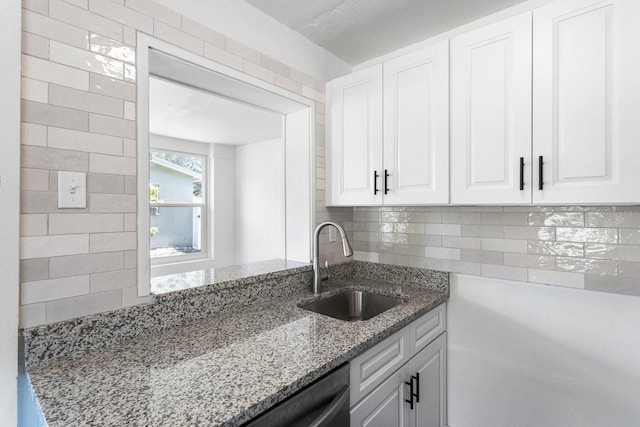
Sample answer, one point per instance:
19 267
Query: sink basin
353 305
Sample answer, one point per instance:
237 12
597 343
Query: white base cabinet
414 396
402 380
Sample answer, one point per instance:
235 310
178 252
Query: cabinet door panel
355 149
580 90
430 363
384 407
416 132
491 113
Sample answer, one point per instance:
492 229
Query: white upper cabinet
586 93
491 114
416 127
408 162
354 152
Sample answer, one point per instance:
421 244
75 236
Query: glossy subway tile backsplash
588 247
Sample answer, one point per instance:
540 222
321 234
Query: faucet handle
327 274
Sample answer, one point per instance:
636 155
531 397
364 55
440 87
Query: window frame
205 236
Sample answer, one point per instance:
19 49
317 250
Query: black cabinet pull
417 378
540 173
386 179
411 394
375 182
521 173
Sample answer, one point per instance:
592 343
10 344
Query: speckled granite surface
220 370
169 310
231 275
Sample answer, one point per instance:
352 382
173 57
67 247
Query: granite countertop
222 370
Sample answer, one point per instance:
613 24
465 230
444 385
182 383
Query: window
177 206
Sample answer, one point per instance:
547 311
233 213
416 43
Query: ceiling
360 30
183 112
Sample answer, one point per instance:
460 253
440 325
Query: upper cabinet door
354 157
416 127
491 114
586 94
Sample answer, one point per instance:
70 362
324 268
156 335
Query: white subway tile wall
596 247
78 114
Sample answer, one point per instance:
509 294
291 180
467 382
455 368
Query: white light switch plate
333 234
72 190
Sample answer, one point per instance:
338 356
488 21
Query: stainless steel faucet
318 277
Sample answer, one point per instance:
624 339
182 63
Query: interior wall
244 23
536 355
223 214
260 201
79 114
9 200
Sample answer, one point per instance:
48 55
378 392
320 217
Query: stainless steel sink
353 305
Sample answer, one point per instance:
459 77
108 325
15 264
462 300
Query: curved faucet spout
346 249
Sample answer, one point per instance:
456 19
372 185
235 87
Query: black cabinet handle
540 173
521 173
375 182
386 179
411 394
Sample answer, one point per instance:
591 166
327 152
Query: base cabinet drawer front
371 368
427 328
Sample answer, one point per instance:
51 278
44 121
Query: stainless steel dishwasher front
321 404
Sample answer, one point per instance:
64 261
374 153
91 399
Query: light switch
72 190
333 234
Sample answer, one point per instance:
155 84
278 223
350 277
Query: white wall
224 205
536 355
260 201
242 22
9 206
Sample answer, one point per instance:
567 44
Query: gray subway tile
618 252
544 262
482 231
556 248
34 269
557 278
529 233
566 219
483 257
618 285
461 218
75 265
504 218
630 236
586 265
461 242
583 234
51 115
51 158
504 272
629 269
462 267
629 219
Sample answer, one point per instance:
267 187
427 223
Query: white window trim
146 42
